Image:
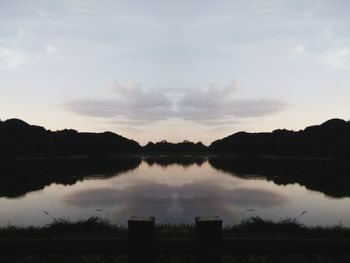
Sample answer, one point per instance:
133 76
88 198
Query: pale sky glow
175 70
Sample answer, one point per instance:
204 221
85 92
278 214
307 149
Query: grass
285 227
64 227
98 227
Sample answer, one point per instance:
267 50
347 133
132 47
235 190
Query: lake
174 190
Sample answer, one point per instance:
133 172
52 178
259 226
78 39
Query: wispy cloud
52 50
212 106
12 55
338 59
297 49
217 95
130 104
135 97
11 58
218 104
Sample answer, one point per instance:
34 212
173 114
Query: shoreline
174 155
254 227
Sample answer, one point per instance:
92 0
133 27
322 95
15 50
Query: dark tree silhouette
330 140
168 147
19 139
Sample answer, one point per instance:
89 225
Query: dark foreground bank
98 227
256 228
177 259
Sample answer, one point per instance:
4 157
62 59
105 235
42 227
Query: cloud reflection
175 204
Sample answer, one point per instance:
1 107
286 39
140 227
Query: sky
174 70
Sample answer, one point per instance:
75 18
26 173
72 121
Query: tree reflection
329 177
21 177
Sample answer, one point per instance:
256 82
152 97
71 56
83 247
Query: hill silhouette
328 140
19 139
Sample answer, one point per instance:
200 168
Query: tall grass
65 227
285 227
98 227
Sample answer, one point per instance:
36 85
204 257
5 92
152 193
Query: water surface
174 190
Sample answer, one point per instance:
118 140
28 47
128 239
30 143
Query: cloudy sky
175 70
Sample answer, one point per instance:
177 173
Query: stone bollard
208 239
141 239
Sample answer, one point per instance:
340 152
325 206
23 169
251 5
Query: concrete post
141 239
208 239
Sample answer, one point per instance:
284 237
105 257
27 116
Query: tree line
328 140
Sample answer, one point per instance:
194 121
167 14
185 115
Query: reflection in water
21 177
171 203
329 177
167 160
175 190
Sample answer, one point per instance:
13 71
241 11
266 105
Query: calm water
174 190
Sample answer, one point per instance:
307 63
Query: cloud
135 97
132 105
212 106
51 50
11 58
338 59
218 104
297 49
215 96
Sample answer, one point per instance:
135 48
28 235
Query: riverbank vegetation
252 227
98 227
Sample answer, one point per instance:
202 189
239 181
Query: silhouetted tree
330 139
168 147
19 139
